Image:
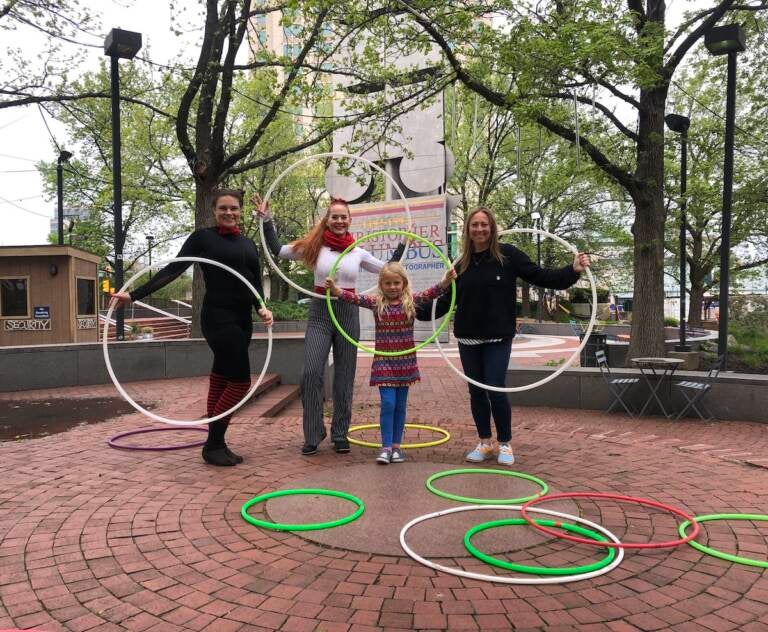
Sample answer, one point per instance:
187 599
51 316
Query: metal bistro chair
698 390
618 386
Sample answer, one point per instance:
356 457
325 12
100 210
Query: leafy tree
155 200
556 56
699 95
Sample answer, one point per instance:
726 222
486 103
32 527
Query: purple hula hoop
112 441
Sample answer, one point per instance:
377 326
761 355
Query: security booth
48 295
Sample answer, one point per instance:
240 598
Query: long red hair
309 245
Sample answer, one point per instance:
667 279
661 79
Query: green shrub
584 295
671 321
288 310
752 344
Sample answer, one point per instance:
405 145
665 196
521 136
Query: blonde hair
406 298
309 245
467 247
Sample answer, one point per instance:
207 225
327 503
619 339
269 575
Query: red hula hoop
630 499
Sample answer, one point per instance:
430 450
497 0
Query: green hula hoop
312 526
486 501
714 552
435 334
405 446
537 570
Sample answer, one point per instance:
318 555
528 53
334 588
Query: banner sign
424 267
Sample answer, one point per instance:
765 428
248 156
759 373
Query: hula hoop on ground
560 369
136 405
112 441
312 526
435 333
486 501
511 580
405 446
285 172
630 499
721 554
537 570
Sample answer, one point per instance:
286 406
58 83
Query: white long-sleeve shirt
348 270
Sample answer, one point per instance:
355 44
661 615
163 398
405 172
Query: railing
182 303
186 321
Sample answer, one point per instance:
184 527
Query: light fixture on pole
64 156
726 40
680 124
119 44
536 217
150 239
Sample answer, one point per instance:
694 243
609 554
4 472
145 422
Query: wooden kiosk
48 295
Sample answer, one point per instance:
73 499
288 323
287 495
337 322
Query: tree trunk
526 309
695 300
647 337
203 218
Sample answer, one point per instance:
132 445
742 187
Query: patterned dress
394 332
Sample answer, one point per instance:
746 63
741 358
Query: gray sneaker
385 456
397 456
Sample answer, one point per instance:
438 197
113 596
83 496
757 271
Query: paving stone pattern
98 539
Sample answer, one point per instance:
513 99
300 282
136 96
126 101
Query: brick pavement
98 539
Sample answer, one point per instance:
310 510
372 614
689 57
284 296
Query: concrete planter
584 310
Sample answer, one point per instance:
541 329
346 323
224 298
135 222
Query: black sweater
486 292
222 288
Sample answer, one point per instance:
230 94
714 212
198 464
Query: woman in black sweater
484 324
226 314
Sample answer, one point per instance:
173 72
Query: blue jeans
394 400
487 363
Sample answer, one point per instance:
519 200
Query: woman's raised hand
581 262
261 208
119 298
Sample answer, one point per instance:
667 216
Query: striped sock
233 393
216 386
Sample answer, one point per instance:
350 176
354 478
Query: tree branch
676 57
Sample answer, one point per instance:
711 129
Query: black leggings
228 333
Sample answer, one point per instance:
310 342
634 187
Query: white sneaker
482 452
506 456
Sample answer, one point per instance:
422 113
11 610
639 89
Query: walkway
98 539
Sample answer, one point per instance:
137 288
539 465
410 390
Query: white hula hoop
271 189
565 365
503 579
183 422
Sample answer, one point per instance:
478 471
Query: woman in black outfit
484 324
226 313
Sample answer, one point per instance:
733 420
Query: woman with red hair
318 250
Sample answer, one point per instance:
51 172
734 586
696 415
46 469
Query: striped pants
321 336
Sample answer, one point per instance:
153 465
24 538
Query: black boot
215 449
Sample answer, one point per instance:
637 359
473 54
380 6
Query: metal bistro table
655 372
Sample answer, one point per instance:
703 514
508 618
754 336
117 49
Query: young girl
394 310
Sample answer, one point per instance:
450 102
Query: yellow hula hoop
405 446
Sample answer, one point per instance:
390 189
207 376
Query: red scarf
334 242
228 230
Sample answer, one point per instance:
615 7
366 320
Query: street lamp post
150 239
680 124
536 217
119 44
731 40
63 157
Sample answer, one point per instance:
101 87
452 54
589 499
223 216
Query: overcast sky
25 213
